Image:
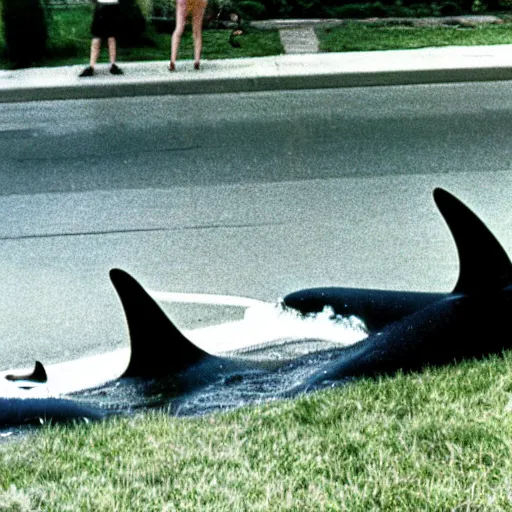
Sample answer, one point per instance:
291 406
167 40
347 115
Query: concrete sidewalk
305 71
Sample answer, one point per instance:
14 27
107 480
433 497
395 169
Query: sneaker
88 71
116 70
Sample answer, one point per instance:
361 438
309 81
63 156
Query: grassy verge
358 37
70 42
437 441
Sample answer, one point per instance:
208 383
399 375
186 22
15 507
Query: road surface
251 195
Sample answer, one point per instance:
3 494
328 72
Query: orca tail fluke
158 348
38 375
484 264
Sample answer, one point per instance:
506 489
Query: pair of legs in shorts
196 8
105 25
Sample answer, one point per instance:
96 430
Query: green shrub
145 7
356 11
163 16
163 8
450 9
250 9
279 8
308 9
25 31
219 12
422 10
1 31
133 24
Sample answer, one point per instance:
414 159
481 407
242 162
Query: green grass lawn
436 441
358 37
70 42
440 441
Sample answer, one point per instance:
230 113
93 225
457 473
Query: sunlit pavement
282 72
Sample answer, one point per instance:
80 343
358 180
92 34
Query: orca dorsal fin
484 264
158 348
38 375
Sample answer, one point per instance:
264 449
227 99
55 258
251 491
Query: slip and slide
407 331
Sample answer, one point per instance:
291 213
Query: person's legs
97 34
181 17
112 47
198 10
112 50
95 51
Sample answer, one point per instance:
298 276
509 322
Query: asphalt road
253 138
251 194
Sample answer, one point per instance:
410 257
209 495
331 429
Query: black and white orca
407 330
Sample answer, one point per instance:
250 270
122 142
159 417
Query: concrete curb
284 72
256 84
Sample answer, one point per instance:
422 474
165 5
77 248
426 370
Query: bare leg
95 51
181 17
112 50
198 10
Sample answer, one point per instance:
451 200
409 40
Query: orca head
313 300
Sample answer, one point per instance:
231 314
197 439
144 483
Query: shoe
196 65
172 66
116 70
88 71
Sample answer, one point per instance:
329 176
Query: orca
409 330
473 321
376 308
159 350
167 370
22 407
379 308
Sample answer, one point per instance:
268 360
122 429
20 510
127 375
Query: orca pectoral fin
484 264
158 348
38 375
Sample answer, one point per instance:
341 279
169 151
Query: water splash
283 333
306 341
